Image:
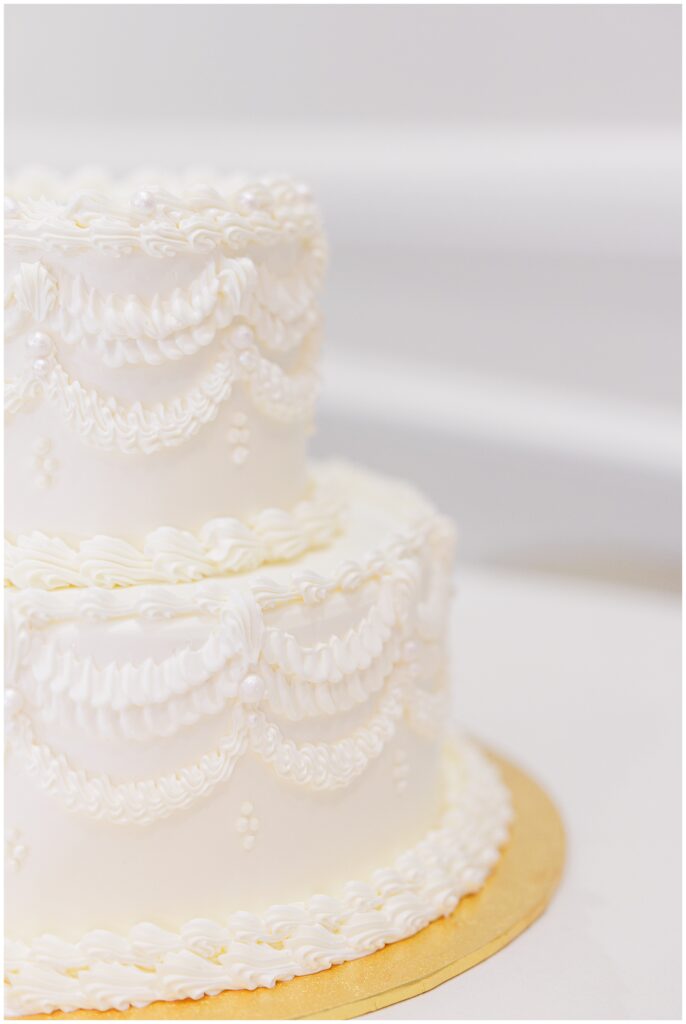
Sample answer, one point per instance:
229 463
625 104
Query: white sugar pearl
410 651
11 206
249 842
39 344
248 360
252 689
246 808
239 419
143 201
13 702
254 199
249 199
243 336
43 481
239 455
41 367
42 445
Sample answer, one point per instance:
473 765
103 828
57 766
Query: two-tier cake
228 761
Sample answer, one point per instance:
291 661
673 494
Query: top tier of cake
160 360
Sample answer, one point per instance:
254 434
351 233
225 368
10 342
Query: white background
501 186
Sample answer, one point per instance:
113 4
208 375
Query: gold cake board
516 894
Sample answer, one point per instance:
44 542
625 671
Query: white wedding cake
228 760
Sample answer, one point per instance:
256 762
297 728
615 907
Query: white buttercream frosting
106 423
316 766
157 698
144 320
104 970
226 684
89 210
126 329
221 546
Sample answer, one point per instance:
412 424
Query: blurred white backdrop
501 186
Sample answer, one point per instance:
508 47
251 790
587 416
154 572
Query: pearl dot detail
248 361
253 199
400 771
252 689
16 849
411 651
249 199
42 446
13 702
238 437
143 201
41 367
44 462
243 336
39 344
247 825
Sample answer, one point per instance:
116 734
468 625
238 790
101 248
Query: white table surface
579 682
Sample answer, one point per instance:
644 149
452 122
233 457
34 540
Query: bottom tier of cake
108 970
196 771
